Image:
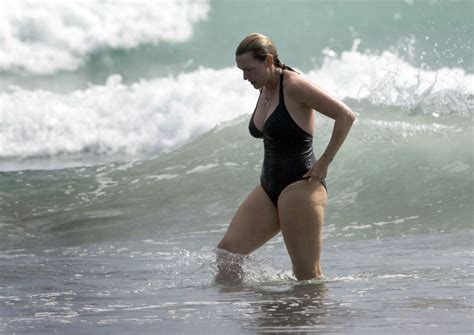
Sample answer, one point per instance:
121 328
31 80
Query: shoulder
297 87
310 95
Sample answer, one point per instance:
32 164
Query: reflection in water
300 308
297 308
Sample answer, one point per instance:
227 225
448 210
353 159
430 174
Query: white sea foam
43 37
152 116
162 176
148 116
406 129
360 75
388 80
202 168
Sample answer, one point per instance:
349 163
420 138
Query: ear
269 60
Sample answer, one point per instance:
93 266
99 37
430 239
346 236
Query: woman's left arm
315 98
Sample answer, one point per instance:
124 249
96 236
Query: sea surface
124 153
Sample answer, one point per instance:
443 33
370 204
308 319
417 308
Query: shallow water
388 285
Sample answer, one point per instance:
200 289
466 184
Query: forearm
342 126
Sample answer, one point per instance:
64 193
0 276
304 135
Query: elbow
352 116
349 116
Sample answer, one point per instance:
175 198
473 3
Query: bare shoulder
300 88
310 95
293 82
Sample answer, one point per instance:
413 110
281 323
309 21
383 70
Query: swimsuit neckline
274 110
280 102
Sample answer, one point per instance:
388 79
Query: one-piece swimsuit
288 149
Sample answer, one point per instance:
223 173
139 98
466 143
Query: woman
292 194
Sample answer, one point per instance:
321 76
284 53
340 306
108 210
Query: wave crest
49 36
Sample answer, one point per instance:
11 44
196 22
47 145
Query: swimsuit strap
282 100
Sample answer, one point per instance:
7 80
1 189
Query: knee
221 245
227 245
304 275
304 272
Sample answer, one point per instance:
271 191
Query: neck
274 79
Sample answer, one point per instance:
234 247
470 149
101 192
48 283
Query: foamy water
62 35
161 114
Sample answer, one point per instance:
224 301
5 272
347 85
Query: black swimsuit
288 150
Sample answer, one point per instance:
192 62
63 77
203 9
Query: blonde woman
292 194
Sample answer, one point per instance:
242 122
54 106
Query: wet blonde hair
260 46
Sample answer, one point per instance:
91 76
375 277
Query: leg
254 223
301 212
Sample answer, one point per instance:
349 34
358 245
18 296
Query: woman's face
255 71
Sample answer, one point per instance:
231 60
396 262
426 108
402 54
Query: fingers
315 174
311 178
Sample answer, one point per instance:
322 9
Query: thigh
301 213
255 222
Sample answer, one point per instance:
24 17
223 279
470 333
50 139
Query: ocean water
124 153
